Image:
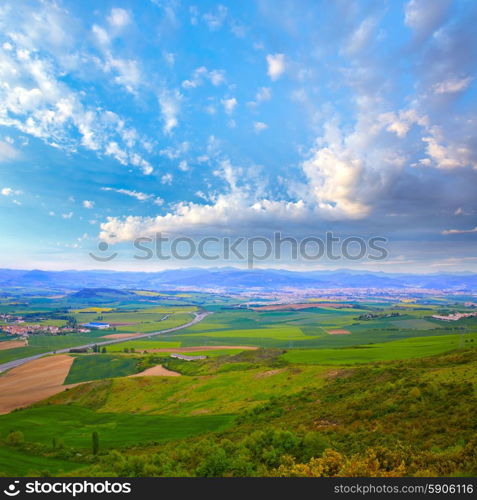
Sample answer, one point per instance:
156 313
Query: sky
121 120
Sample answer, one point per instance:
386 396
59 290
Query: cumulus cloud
88 204
229 105
218 218
35 99
451 155
400 122
263 94
276 65
259 127
169 102
119 18
166 179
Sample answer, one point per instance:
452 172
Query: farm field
94 367
136 322
399 349
74 424
290 374
14 463
26 384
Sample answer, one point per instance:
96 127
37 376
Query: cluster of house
454 317
22 329
16 325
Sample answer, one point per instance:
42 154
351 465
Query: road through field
11 364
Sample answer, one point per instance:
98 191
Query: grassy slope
223 392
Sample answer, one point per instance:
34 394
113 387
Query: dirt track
157 371
11 344
339 331
119 335
298 307
39 379
202 348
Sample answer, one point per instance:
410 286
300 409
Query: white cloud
169 102
7 191
135 194
361 37
119 18
7 151
401 122
263 94
460 231
448 156
35 99
175 152
88 204
229 105
259 127
68 215
166 179
183 165
215 76
214 20
216 218
452 85
276 65
334 177
424 17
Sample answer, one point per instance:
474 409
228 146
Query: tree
15 438
103 350
95 442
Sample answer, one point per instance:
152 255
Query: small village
16 325
454 317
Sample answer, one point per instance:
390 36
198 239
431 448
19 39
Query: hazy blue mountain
232 279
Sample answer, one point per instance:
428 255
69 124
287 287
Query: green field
399 349
138 345
98 366
14 462
74 424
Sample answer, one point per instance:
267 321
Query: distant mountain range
233 279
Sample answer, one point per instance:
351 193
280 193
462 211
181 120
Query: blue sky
121 119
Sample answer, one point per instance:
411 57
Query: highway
17 362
